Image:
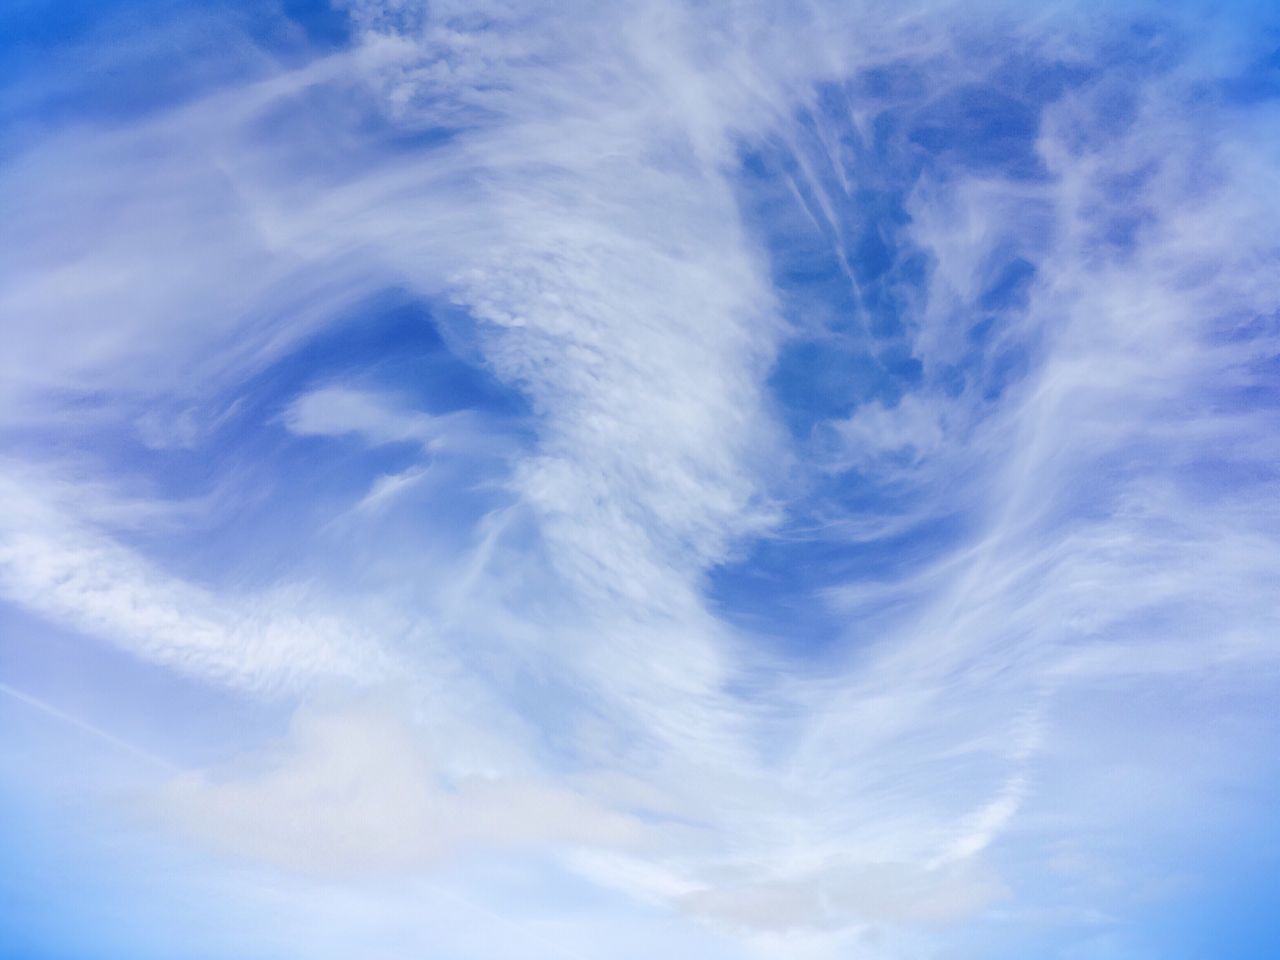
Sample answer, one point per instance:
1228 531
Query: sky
738 481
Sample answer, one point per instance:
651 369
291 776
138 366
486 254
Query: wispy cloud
958 326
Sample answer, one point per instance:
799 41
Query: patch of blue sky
779 592
1087 892
81 879
80 884
98 63
110 701
260 492
830 206
1257 83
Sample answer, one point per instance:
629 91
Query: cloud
60 565
353 789
1042 461
897 894
387 487
334 411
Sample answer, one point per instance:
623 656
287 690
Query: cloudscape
501 480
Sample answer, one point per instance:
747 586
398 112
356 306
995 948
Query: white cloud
65 567
389 486
334 411
353 789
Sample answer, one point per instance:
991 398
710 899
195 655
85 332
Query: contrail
88 728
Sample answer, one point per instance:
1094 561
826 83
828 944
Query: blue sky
746 481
